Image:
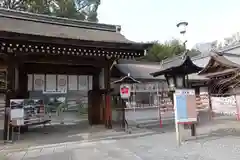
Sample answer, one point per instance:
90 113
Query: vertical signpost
185 109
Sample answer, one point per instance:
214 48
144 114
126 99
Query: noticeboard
185 106
125 91
27 110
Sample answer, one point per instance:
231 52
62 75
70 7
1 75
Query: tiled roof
178 63
41 25
226 60
139 71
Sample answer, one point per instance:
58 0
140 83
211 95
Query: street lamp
170 81
182 29
182 26
175 81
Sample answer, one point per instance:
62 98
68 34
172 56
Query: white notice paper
17 113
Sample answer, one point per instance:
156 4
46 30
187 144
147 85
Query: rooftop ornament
126 80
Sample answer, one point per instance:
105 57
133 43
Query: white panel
38 82
83 83
72 82
30 82
62 83
51 82
224 105
90 82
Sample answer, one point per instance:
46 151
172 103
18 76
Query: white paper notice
90 81
51 82
62 83
17 113
30 82
83 83
72 82
39 82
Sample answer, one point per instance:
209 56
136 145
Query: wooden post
211 114
23 83
193 130
94 102
9 95
108 109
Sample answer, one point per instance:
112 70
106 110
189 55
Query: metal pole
178 137
159 108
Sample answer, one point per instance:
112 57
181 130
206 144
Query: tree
76 9
14 4
161 51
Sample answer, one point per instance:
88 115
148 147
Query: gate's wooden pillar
94 101
211 113
10 93
23 82
108 109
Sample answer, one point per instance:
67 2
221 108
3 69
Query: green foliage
161 51
75 9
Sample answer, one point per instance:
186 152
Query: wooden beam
108 109
65 60
33 68
53 48
10 92
75 42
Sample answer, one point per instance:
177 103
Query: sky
148 20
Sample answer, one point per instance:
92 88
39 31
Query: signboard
17 111
25 111
38 82
83 83
224 105
125 91
185 106
62 83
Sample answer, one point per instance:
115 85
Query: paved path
219 141
162 146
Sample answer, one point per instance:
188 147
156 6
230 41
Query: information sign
125 91
185 106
